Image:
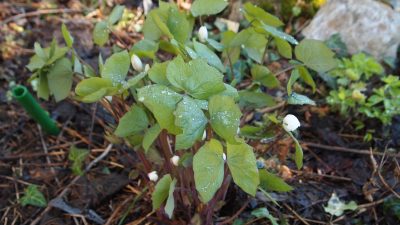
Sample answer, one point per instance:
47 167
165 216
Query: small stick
296 214
46 151
38 13
66 189
351 150
236 214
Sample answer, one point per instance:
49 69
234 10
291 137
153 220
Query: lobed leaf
243 166
208 168
224 116
191 119
133 122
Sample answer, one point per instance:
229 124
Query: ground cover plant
184 102
197 106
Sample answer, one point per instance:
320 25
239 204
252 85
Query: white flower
224 156
203 34
290 123
175 160
136 63
153 176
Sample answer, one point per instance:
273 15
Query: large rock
364 25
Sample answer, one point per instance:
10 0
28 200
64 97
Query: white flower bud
153 176
175 160
136 63
204 135
146 68
202 34
109 98
290 123
224 156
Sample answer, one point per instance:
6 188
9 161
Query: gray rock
364 25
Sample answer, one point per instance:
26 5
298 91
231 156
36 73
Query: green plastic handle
22 95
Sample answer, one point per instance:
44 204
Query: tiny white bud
109 98
175 160
203 34
204 136
153 176
141 99
290 123
224 156
238 130
146 68
34 84
136 63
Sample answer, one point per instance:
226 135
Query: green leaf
263 75
196 77
306 76
284 48
158 73
92 89
252 43
264 213
132 122
205 53
35 62
32 196
170 205
298 156
224 116
253 13
116 14
208 168
150 136
145 48
252 99
230 53
215 44
40 52
178 25
88 71
161 191
192 120
43 87
316 55
77 156
77 65
150 28
60 79
101 33
207 7
298 99
278 34
69 40
116 67
161 101
271 182
295 75
243 166
230 91
59 52
161 24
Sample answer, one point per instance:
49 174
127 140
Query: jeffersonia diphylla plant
184 110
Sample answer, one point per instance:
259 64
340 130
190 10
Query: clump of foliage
183 106
364 89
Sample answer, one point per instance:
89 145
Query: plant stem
166 149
